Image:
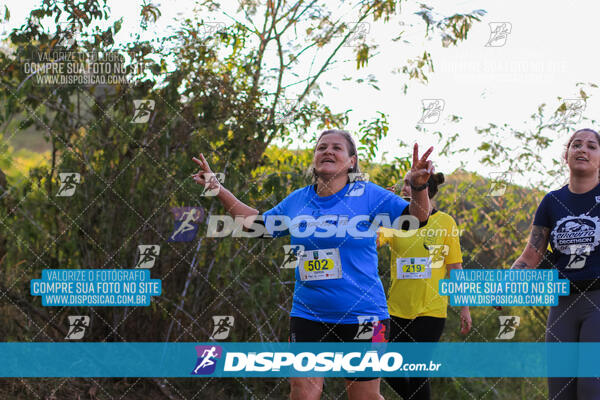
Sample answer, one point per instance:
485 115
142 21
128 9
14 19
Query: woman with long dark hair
569 219
418 262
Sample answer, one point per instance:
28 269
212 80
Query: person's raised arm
535 249
419 175
233 206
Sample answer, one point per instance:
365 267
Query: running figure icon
508 326
207 361
187 220
222 326
68 183
77 327
148 255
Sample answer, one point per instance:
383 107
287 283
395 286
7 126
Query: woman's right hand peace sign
421 168
205 176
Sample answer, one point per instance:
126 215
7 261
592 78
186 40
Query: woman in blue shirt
338 294
569 219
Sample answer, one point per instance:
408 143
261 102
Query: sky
551 46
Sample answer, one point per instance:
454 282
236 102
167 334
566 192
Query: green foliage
532 148
213 94
370 135
453 28
494 231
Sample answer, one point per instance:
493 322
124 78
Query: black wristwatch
419 188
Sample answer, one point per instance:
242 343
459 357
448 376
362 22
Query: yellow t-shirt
439 239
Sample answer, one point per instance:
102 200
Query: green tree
213 92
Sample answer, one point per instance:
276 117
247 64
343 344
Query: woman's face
331 156
583 155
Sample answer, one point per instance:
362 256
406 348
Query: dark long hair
566 154
434 181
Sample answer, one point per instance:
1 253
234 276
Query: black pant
575 319
306 330
420 329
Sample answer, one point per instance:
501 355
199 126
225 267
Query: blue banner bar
95 287
504 287
227 359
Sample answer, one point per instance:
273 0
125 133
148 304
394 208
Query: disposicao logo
290 363
318 362
207 359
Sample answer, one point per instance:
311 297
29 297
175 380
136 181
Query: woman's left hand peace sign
422 168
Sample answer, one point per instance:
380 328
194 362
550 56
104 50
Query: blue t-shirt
574 222
341 221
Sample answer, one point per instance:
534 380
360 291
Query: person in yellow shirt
419 259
